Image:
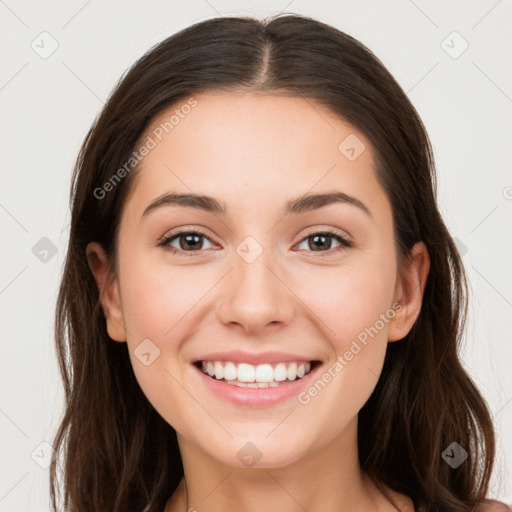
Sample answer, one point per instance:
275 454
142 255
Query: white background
47 106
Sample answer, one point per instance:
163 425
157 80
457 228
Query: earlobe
108 290
409 292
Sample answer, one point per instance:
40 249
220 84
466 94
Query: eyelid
186 229
327 230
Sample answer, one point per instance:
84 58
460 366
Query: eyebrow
305 203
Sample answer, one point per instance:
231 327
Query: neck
326 479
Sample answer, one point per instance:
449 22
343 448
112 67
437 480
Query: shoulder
493 506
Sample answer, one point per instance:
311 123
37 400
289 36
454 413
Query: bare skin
376 500
254 153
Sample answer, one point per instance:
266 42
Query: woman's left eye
191 241
317 241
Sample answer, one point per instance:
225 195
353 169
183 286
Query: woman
261 305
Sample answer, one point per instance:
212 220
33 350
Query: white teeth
272 384
246 372
264 373
219 370
230 372
254 376
291 371
280 373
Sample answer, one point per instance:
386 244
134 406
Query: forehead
245 148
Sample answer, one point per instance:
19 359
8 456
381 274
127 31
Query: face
257 287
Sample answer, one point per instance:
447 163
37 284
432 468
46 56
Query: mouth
246 375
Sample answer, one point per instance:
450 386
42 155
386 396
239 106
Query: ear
409 292
108 288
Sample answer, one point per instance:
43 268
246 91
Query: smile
255 376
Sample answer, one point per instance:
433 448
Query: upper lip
253 358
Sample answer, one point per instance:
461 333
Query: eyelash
344 243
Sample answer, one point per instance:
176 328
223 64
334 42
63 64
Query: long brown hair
117 452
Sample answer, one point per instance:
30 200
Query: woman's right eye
187 241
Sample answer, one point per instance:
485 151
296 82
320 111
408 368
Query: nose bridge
254 296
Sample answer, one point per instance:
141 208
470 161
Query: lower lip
256 397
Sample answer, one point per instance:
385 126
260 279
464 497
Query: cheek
158 305
349 305
352 305
157 299
348 299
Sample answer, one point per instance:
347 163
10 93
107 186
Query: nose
255 295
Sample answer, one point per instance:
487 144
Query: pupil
318 239
189 237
